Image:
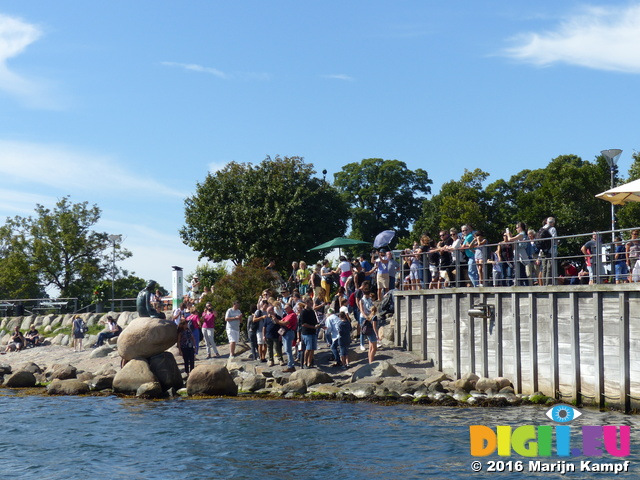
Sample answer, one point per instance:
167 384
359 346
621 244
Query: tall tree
458 202
629 215
17 278
64 250
382 195
277 209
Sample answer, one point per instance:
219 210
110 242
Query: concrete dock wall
577 343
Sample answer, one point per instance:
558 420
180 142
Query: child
344 330
496 271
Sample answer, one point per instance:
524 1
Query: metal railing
534 268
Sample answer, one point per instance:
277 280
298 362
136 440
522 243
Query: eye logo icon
563 413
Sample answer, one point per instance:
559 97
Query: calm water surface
114 438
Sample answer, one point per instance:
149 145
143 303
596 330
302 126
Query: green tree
629 215
276 209
208 274
458 202
17 278
63 250
382 195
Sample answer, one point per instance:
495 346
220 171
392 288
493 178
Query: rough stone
61 372
375 369
102 351
133 374
437 377
311 376
253 383
71 386
294 386
150 390
165 368
145 337
483 384
208 379
102 382
5 368
20 379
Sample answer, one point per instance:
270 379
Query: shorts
233 335
344 347
383 280
310 341
415 273
372 337
261 339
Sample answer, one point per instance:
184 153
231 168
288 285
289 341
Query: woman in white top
232 318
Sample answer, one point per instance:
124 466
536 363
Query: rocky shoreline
396 376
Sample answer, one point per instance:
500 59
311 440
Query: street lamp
113 239
612 155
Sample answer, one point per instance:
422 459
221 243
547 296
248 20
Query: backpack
543 241
386 306
352 300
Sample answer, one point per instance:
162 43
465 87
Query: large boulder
208 379
70 386
166 370
133 374
20 379
145 337
101 382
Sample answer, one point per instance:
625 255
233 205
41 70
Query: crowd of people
523 258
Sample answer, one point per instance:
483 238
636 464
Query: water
114 438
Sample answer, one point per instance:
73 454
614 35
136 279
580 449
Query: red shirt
291 321
208 320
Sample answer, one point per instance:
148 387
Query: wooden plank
575 349
515 321
555 367
438 333
625 376
533 341
598 345
424 318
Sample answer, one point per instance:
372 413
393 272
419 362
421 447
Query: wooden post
598 349
438 333
515 307
533 335
575 349
625 373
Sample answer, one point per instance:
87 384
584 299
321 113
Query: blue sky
129 104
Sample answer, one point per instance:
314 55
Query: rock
209 379
101 382
5 368
294 386
145 337
31 367
324 389
437 377
253 383
502 382
102 351
20 379
150 390
375 369
483 384
85 376
361 390
466 383
507 390
105 370
165 368
61 372
71 386
311 376
133 374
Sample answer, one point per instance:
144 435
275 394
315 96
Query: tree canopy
277 209
58 248
382 195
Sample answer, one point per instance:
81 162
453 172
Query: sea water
229 438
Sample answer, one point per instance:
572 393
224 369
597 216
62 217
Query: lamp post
113 239
612 155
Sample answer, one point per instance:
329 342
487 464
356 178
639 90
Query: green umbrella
339 242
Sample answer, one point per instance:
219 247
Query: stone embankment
157 372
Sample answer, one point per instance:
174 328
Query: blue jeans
473 271
334 349
622 272
288 347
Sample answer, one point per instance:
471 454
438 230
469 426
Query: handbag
367 327
282 331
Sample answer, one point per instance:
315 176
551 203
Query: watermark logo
559 440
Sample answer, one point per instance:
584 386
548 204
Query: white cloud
67 169
194 67
595 37
217 166
15 36
197 68
340 76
